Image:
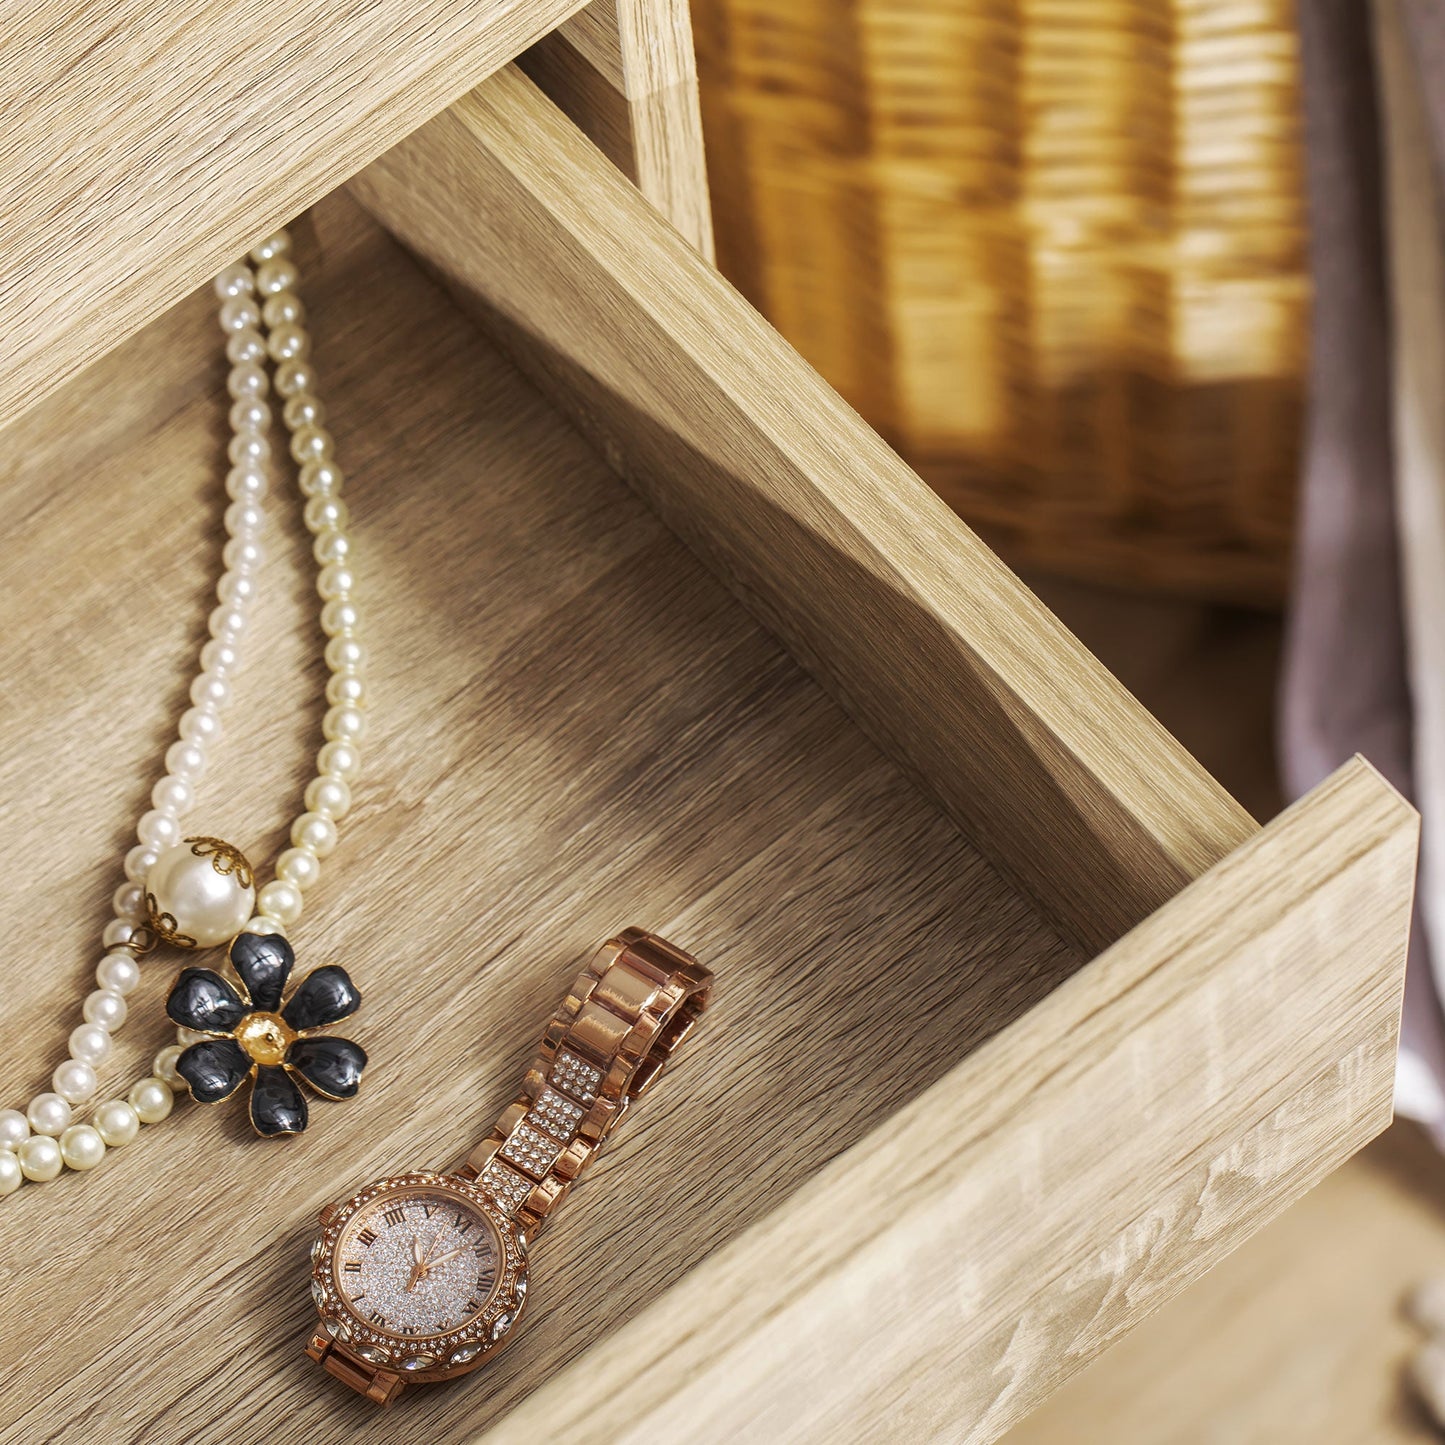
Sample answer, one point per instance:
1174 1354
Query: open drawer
1021 1022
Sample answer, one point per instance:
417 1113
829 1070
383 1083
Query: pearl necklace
262 317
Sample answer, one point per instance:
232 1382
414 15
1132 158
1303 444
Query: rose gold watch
423 1276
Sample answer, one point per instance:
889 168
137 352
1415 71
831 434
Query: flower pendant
253 1035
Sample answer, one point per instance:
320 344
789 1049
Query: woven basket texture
1054 250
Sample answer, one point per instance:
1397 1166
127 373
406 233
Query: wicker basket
1054 250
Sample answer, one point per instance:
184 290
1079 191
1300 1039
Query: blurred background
1150 291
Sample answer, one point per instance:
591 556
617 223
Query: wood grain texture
573 727
935 647
1054 253
623 71
143 146
943 1275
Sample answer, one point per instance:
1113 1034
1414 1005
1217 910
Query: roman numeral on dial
367 1237
396 1214
352 1266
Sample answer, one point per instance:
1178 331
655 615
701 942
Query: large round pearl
117 1123
39 1158
210 906
82 1147
14 1128
11 1174
74 1081
152 1100
90 1044
48 1114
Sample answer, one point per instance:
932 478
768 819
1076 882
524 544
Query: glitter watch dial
419 1262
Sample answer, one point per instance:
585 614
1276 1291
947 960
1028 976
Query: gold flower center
266 1037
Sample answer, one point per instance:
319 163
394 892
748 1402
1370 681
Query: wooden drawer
1022 1023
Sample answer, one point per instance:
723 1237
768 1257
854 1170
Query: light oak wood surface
574 727
143 146
935 647
623 70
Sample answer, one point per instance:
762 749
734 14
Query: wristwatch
423 1276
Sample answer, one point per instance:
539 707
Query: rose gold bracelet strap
618 1026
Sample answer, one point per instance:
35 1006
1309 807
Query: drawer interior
575 727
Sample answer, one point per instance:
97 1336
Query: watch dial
417 1262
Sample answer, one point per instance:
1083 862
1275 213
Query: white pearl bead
243 519
259 924
12 1176
346 689
340 616
248 449
228 624
186 761
173 795
280 900
105 1007
298 866
118 972
48 1114
157 829
116 1122
294 377
339 759
247 379
152 1100
74 1082
200 725
243 347
311 444
209 690
164 1067
237 589
335 580
138 862
326 513
90 1044
306 410
345 654
128 902
240 313
207 905
328 796
331 547
117 933
273 277
276 244
344 724
235 280
248 414
39 1158
283 309
242 554
82 1147
14 1129
313 831
288 343
220 658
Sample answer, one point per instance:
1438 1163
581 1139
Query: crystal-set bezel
393 1352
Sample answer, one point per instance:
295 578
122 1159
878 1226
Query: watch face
418 1261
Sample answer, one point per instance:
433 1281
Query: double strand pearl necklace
262 317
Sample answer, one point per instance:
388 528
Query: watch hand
417 1253
442 1258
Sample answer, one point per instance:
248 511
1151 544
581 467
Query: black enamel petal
214 1068
203 1000
331 1066
277 1106
263 961
324 997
